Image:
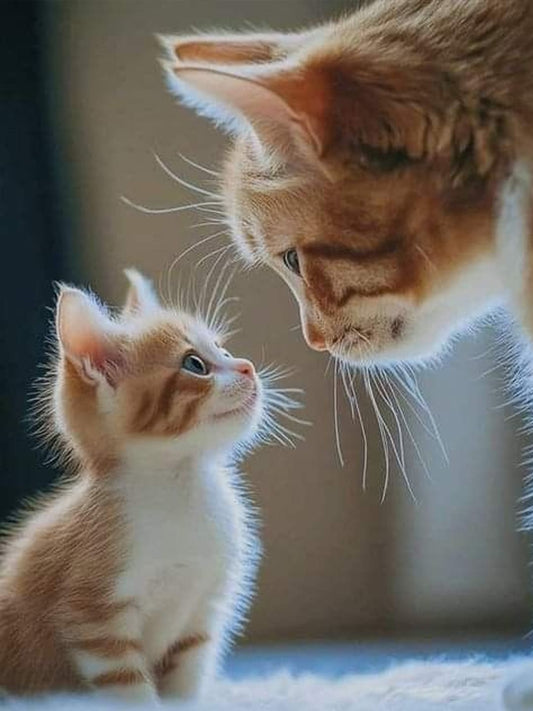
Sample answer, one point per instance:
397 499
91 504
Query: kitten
382 166
131 578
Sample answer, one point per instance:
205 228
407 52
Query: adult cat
382 165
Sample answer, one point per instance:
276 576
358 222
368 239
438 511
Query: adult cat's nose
314 338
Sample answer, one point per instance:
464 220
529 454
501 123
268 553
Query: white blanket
413 686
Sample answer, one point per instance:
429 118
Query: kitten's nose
245 367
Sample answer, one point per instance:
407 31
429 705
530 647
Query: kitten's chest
180 537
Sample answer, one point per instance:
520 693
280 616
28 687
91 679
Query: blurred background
84 113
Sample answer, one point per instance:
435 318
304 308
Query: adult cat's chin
426 341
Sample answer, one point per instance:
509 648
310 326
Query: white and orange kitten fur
130 579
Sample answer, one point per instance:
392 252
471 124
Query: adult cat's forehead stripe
341 252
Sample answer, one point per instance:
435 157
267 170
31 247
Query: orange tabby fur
378 147
65 621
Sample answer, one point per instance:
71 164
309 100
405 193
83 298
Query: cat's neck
157 460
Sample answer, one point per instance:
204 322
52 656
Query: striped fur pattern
132 577
377 147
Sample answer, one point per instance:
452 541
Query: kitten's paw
518 693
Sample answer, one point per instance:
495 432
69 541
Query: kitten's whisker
220 320
284 413
183 254
230 334
183 182
219 292
207 281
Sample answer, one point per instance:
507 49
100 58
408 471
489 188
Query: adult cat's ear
275 100
375 112
141 297
226 48
87 336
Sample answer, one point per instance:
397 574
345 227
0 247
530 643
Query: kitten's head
362 172
152 375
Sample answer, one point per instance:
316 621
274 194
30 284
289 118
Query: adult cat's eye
192 363
380 161
291 261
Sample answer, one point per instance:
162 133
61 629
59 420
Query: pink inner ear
253 98
84 330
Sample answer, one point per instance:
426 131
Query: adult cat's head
366 165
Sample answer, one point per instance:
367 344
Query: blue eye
192 363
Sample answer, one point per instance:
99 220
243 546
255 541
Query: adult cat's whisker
413 409
349 387
183 182
379 419
397 447
336 416
208 223
386 398
208 256
410 383
393 393
163 210
209 171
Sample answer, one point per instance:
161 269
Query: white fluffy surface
415 686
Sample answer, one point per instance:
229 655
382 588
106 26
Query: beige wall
336 560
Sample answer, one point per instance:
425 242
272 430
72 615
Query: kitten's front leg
105 644
187 666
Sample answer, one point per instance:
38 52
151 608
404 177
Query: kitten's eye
194 364
291 261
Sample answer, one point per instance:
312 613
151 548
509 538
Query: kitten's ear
225 48
281 104
141 297
87 336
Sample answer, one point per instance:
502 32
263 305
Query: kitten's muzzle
244 367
